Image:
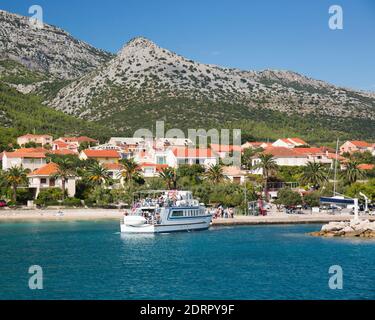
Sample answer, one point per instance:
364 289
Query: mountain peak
49 50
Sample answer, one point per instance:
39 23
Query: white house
235 174
43 178
289 143
41 139
27 159
190 156
295 156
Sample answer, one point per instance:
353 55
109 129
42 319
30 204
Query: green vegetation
21 114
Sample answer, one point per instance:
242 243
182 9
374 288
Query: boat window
179 213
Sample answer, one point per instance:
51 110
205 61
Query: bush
49 197
288 197
23 195
312 199
72 202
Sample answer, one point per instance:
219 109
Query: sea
93 260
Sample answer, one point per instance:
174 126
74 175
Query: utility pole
335 171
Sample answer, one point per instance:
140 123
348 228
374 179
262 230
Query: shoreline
82 214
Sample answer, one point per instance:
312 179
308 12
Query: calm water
92 260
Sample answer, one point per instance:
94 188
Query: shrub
49 197
288 197
312 199
72 202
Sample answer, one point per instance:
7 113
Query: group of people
221 212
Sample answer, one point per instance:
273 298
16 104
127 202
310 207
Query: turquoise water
92 260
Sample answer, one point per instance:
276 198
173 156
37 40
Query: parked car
3 204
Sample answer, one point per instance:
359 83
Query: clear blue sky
247 34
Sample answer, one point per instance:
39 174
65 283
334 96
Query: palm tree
15 177
130 171
352 173
65 170
215 173
169 175
268 166
313 173
97 174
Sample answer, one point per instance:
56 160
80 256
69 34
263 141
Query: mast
335 169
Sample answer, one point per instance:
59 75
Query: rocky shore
353 228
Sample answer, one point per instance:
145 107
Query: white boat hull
177 226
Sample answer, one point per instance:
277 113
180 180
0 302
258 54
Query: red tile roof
29 135
63 152
298 140
333 156
32 150
90 153
113 166
193 153
158 167
365 166
17 154
309 150
78 139
225 148
361 144
283 152
61 144
47 170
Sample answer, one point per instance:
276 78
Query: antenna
335 172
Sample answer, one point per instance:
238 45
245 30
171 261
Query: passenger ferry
166 211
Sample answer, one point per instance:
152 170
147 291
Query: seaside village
90 173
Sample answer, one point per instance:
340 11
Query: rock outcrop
353 228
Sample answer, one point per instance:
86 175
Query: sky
247 34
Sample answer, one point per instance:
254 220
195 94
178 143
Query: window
179 213
43 181
161 160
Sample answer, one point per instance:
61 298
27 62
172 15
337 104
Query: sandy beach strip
59 214
63 214
282 218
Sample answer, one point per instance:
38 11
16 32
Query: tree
96 174
169 175
130 172
247 158
288 197
15 177
65 170
352 173
314 174
312 199
268 166
215 174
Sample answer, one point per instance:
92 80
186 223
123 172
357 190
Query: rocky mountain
144 83
48 50
144 74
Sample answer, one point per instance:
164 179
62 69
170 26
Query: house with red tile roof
151 169
41 139
225 150
102 156
72 143
356 146
255 145
284 156
289 143
203 156
28 159
43 178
